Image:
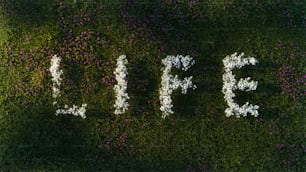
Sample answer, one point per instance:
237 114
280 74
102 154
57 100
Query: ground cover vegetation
89 36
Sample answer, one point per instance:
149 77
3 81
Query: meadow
90 35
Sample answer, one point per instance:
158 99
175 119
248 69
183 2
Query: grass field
90 35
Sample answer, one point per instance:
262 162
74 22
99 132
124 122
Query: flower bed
199 131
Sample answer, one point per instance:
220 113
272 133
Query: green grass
198 136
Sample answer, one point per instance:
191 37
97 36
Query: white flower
121 104
170 82
74 110
244 84
56 79
56 76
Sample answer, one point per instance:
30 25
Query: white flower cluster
74 110
170 82
244 84
56 79
120 72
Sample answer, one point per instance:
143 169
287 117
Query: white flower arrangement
244 84
74 110
56 79
121 105
170 82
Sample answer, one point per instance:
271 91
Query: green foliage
4 29
90 35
